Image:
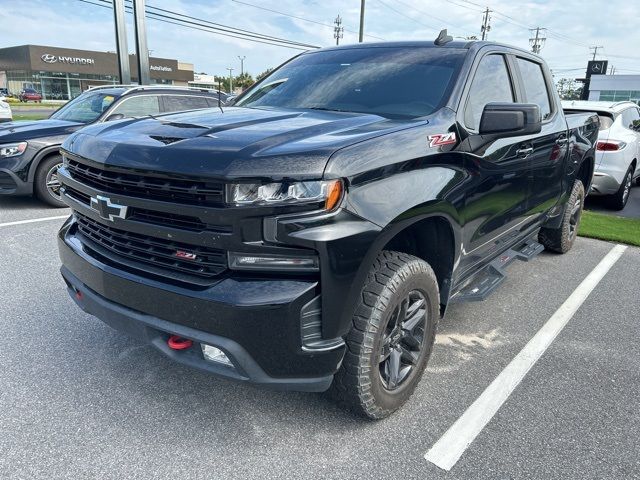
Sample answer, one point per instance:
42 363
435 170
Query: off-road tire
40 181
619 200
358 385
561 239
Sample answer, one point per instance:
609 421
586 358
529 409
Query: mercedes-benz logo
48 58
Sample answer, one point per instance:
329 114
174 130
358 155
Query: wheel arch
46 152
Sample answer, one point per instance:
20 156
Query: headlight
329 192
12 149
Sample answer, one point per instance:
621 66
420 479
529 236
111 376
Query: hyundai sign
49 58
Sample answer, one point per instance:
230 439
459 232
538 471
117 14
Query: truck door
549 147
496 204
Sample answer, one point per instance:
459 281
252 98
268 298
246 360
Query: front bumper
256 322
11 184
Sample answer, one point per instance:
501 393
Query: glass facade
620 95
55 85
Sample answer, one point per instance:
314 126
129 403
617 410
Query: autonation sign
49 58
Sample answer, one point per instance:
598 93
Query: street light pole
124 71
230 80
242 64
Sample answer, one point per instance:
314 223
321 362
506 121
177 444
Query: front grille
153 217
160 254
190 192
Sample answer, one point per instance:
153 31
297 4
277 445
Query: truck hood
241 142
28 130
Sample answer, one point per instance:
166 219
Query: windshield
387 81
86 108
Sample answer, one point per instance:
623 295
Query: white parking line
33 220
450 447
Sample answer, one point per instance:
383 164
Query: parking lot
81 400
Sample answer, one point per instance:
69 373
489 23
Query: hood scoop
166 140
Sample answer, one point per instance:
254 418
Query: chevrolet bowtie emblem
107 209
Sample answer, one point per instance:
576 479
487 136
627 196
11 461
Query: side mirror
114 116
510 119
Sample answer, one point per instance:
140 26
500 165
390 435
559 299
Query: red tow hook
178 343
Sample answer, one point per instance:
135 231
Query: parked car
5 110
30 95
617 151
4 92
310 238
29 156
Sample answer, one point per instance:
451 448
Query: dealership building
64 73
615 88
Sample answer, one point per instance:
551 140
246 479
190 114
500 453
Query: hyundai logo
48 58
107 209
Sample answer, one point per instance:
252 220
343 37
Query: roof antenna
443 38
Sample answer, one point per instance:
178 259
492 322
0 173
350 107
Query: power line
445 22
407 16
209 29
300 18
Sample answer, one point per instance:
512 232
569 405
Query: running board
485 282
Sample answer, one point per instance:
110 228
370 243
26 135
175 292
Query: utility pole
595 49
338 30
230 80
242 64
142 51
122 51
361 34
537 42
486 24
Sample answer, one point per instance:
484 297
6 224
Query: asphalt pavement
631 210
79 400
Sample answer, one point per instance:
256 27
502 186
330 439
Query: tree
264 74
568 89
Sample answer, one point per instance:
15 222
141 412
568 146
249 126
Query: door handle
524 152
562 141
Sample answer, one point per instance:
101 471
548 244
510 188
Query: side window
139 106
491 83
535 88
177 103
630 118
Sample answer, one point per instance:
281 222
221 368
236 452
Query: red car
30 95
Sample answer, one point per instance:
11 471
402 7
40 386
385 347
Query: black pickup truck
311 236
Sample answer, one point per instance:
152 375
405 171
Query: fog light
214 354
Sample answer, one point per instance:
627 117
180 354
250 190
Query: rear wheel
47 184
391 336
619 200
561 239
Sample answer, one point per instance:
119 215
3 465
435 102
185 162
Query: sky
572 26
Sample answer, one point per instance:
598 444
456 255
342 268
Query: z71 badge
442 139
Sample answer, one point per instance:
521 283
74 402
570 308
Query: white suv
5 111
618 148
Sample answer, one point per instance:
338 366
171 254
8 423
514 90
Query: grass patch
29 116
610 227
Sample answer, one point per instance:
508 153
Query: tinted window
387 81
176 103
139 106
630 116
535 87
491 83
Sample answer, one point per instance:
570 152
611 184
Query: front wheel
391 336
561 239
47 184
